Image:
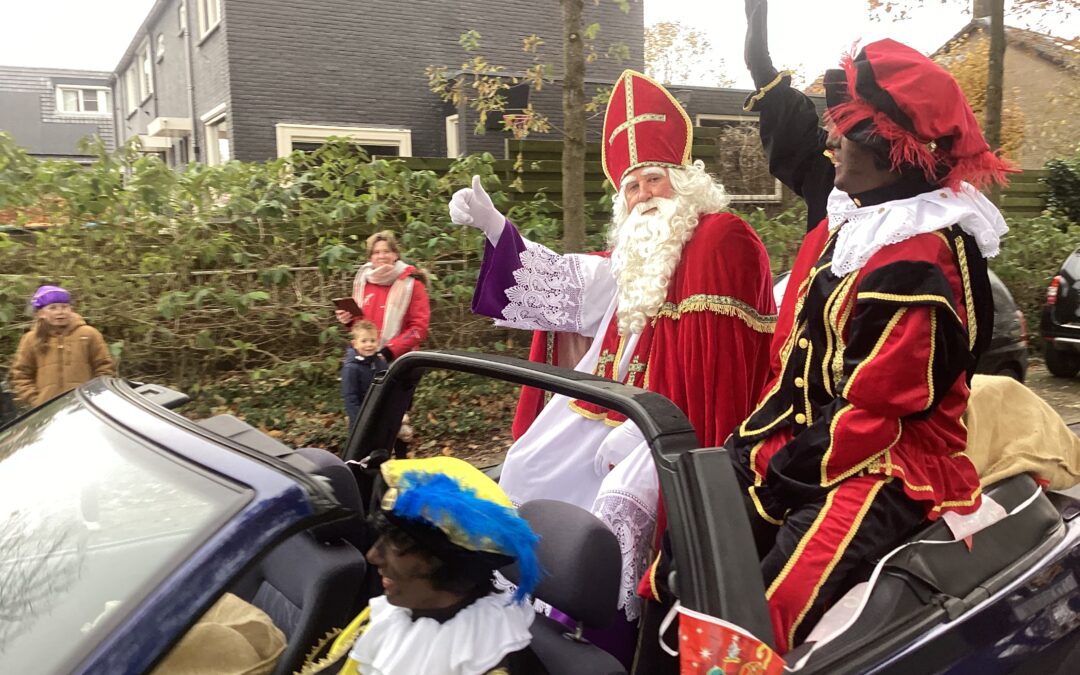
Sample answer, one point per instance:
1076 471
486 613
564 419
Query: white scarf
472 642
398 300
867 229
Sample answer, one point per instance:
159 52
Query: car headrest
333 469
581 560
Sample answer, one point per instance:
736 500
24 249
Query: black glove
756 50
386 354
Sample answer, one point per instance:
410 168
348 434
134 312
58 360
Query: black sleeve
794 143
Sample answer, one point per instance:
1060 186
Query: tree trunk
996 75
995 80
573 157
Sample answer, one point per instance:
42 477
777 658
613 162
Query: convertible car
125 521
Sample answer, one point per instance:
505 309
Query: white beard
645 250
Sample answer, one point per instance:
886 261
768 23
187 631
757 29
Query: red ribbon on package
711 646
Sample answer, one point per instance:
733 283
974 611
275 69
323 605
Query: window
375 140
180 152
739 161
89 100
209 15
453 147
160 47
131 89
146 73
181 17
218 140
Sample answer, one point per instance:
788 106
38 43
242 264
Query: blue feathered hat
473 513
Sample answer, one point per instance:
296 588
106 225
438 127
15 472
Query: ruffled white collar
470 643
869 228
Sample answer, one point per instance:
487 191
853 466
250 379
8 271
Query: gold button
881 210
803 343
800 419
799 382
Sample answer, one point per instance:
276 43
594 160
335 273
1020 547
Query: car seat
582 567
309 584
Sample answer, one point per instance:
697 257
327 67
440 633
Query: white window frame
211 121
181 17
131 88
145 69
453 146
209 16
778 189
103 96
159 48
287 134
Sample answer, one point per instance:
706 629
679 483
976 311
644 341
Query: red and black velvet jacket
871 374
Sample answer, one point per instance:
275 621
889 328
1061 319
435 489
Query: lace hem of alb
632 522
549 291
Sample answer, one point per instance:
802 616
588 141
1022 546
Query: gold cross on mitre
635 99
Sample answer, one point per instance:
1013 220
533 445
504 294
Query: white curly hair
646 247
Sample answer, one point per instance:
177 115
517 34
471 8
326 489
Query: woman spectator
59 353
391 295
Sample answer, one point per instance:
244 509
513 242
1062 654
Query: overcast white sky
807 35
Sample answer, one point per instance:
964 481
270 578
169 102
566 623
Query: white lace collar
470 643
869 228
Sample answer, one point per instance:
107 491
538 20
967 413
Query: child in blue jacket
362 363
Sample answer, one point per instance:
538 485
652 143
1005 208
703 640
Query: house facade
50 111
1041 87
212 80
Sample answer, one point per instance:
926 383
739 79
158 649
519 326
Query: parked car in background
1061 319
1007 354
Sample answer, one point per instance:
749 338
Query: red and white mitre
644 126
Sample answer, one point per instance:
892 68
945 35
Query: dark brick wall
170 99
350 63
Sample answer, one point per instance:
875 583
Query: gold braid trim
316 659
750 102
720 304
969 300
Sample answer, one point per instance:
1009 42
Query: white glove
472 206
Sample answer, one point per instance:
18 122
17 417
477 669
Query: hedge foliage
219 280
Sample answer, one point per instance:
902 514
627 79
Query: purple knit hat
47 295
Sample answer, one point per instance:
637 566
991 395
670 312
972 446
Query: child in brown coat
59 353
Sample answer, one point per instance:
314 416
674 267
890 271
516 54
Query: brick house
211 80
1042 80
48 111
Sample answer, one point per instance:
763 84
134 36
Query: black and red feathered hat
644 126
890 92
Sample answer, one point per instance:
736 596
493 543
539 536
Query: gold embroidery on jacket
724 305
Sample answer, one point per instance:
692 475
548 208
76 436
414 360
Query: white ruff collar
869 228
470 643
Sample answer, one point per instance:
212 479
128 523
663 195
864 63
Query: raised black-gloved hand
756 49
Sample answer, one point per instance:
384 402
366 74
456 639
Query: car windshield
93 519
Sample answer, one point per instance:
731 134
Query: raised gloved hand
756 49
472 206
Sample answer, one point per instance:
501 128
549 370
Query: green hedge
218 280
